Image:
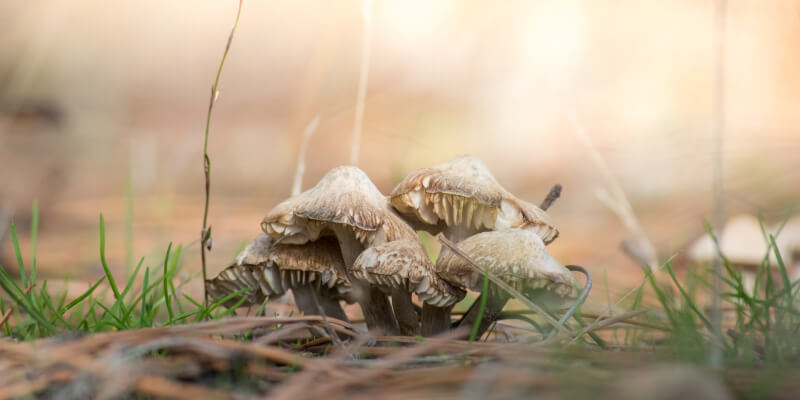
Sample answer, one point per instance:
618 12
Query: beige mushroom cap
274 269
741 242
788 240
463 192
517 256
344 196
403 264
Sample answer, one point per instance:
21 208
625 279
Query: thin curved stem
522 317
205 233
506 288
587 287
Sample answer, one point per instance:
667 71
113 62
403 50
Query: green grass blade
787 283
166 283
103 258
220 302
132 278
18 253
481 307
24 301
129 224
662 298
143 308
688 299
83 296
191 300
34 236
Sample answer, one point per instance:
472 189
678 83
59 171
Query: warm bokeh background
99 100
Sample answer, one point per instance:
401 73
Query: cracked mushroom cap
403 264
517 256
345 196
272 269
463 192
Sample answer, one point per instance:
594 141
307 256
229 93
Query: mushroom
519 258
347 205
400 268
314 272
742 243
462 198
788 241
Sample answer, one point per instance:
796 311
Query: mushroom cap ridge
273 269
404 264
345 196
463 191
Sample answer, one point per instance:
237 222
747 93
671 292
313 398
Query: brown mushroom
400 268
314 272
347 205
520 259
462 198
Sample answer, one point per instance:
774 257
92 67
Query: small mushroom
246 272
788 241
519 258
462 198
314 272
400 268
742 243
347 205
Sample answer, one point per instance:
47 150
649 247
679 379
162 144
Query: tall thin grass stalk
129 224
715 356
297 185
205 233
614 198
363 77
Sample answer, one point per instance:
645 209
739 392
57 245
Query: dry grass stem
300 169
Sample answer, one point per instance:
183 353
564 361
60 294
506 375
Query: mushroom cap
403 264
788 240
517 256
464 192
741 242
344 196
256 252
272 269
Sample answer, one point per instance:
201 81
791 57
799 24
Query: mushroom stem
405 312
495 301
304 297
374 304
378 312
435 320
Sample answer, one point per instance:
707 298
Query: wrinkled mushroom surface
520 259
272 269
400 268
404 265
347 205
345 197
462 198
516 256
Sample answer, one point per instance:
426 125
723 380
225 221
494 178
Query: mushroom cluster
343 240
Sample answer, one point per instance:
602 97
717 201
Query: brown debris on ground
294 358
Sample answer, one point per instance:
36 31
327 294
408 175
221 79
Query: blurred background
103 105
